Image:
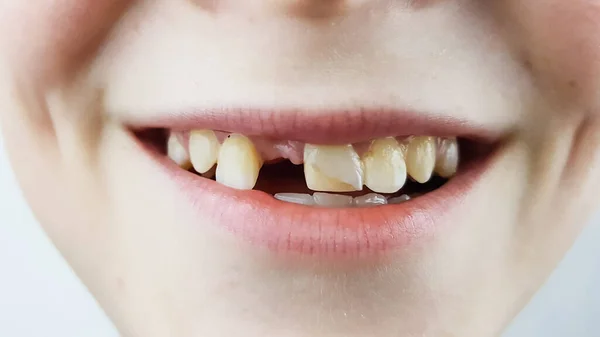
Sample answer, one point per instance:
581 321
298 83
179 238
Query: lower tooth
399 200
296 198
332 200
371 199
338 200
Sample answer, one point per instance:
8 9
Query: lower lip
256 217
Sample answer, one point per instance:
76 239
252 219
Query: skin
72 70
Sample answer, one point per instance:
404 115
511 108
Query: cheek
50 37
561 40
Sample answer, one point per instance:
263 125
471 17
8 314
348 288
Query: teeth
332 168
332 200
399 200
371 199
447 159
385 169
204 149
420 158
338 200
177 152
239 163
327 168
296 198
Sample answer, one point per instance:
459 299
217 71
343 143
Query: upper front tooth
385 169
447 159
177 152
204 149
420 158
335 168
239 163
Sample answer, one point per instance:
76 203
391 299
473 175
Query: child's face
167 252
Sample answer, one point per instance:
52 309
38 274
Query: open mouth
369 179
381 171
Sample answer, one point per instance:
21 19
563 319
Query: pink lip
320 127
258 218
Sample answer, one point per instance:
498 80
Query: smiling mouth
315 183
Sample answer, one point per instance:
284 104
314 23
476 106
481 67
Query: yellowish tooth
177 153
317 181
332 168
420 158
385 168
238 163
204 149
448 157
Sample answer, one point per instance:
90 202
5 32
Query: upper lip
319 127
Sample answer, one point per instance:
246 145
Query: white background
41 297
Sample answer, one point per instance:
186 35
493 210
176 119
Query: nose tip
306 9
316 9
313 8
